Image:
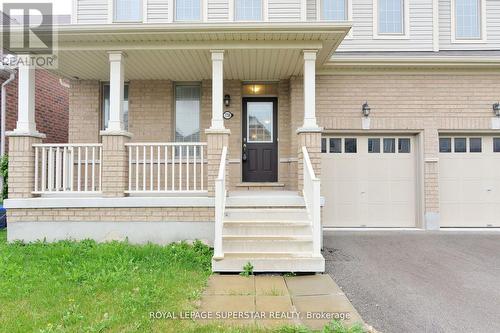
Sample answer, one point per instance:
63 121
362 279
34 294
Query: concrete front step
267 244
267 228
269 263
265 201
266 214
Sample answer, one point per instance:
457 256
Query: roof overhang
181 52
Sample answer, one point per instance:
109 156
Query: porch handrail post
220 203
312 198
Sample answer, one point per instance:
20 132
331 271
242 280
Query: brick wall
51 107
84 112
168 214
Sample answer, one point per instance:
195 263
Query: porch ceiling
261 51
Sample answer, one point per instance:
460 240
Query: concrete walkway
272 300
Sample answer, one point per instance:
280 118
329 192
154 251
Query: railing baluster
202 162
78 165
51 170
158 164
36 169
44 170
187 168
65 169
166 167
151 167
173 168
93 169
100 168
130 168
144 168
86 168
194 168
57 170
71 168
180 168
136 168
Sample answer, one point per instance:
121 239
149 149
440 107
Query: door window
260 122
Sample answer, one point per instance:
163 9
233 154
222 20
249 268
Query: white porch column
26 100
116 91
310 90
217 89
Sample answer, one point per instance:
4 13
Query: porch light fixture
496 109
227 100
366 109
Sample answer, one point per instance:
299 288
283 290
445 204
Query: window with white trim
128 10
391 17
248 10
334 10
187 113
188 10
467 19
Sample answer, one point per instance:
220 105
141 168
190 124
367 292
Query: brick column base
216 140
312 141
21 180
114 164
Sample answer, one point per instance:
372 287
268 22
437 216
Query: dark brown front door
260 146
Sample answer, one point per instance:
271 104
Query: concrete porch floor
270 301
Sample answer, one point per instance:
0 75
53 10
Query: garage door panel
369 189
469 187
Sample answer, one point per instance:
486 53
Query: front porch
116 184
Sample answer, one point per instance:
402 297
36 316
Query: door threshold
263 184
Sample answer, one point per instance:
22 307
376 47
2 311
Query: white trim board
99 202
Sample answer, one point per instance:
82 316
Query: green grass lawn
111 287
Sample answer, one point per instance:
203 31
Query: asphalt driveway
413 281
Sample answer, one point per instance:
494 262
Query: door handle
244 153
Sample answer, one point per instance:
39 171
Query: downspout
3 116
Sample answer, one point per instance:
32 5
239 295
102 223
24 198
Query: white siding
420 37
492 28
92 11
157 11
218 10
284 10
311 10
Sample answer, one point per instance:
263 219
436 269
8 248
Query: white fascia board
489 61
99 202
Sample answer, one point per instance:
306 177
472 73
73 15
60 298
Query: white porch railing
220 204
312 199
67 168
165 168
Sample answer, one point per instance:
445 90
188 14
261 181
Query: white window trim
406 23
112 12
185 83
264 11
203 12
482 18
319 15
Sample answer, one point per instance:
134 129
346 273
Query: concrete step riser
266 246
267 215
270 265
261 230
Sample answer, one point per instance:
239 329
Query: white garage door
369 181
469 181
